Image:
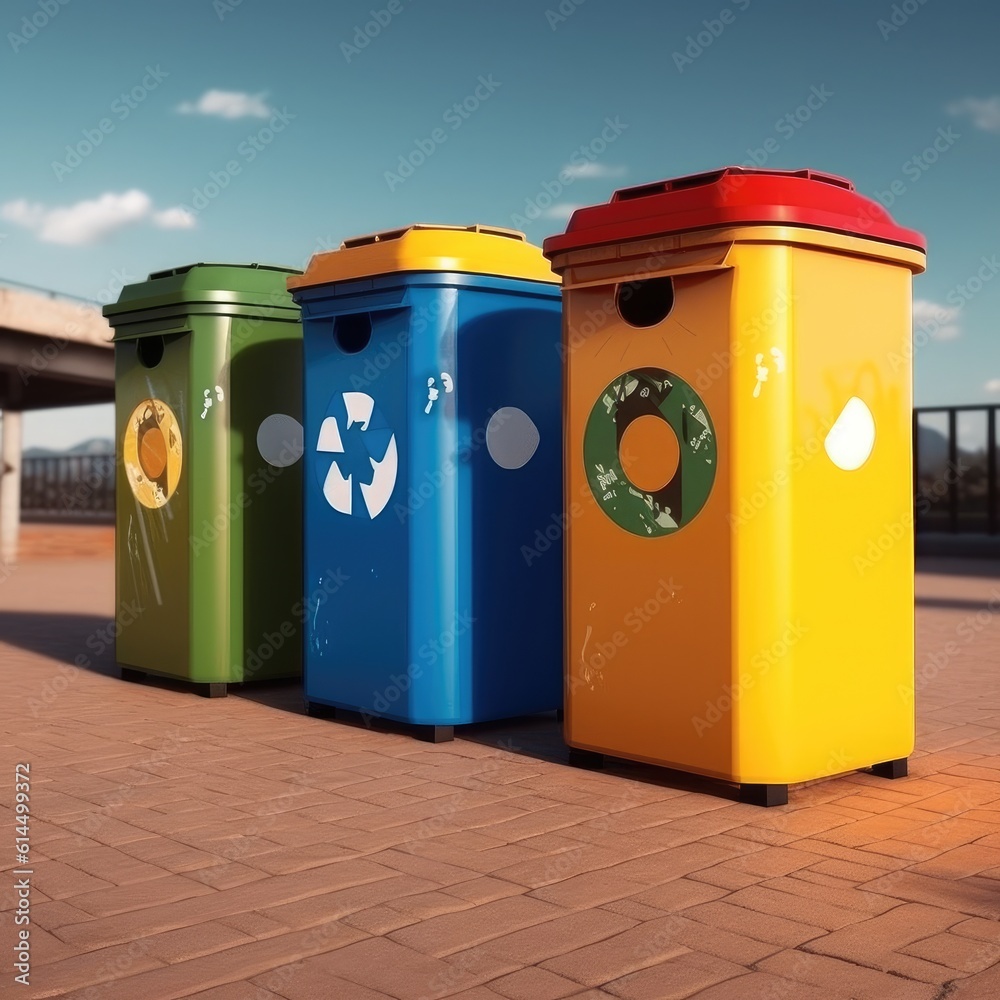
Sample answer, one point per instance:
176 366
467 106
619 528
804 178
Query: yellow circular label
152 453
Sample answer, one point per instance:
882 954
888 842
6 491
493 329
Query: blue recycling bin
433 465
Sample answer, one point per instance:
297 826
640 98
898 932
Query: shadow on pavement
284 695
956 566
85 641
540 737
960 603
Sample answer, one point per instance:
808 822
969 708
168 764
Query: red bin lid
733 196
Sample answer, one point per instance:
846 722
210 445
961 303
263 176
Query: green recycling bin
208 409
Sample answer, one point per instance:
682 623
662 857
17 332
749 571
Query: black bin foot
890 769
436 734
589 759
213 690
764 795
318 711
133 676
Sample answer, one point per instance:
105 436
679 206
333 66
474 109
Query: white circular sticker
511 437
279 440
852 437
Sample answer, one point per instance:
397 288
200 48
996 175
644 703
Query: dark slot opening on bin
646 302
660 187
841 182
149 351
696 181
352 333
370 238
629 194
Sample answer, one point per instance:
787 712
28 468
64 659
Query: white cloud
174 218
939 322
993 385
593 171
23 213
985 113
92 220
227 104
561 210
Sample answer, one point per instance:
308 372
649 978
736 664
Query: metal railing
955 469
68 488
49 293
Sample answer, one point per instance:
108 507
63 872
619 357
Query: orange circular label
152 452
649 452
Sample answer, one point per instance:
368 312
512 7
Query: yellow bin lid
502 253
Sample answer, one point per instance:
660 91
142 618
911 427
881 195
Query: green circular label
650 391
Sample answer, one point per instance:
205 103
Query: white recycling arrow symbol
338 489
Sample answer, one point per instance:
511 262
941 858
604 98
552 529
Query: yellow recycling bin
738 433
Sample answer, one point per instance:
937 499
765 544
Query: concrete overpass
54 351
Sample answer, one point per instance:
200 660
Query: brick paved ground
42 540
238 850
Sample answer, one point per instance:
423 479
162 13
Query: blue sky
184 89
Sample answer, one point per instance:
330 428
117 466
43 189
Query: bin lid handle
711 176
394 234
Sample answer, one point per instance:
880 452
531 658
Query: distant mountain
932 447
92 446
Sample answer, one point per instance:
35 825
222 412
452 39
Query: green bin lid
250 288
